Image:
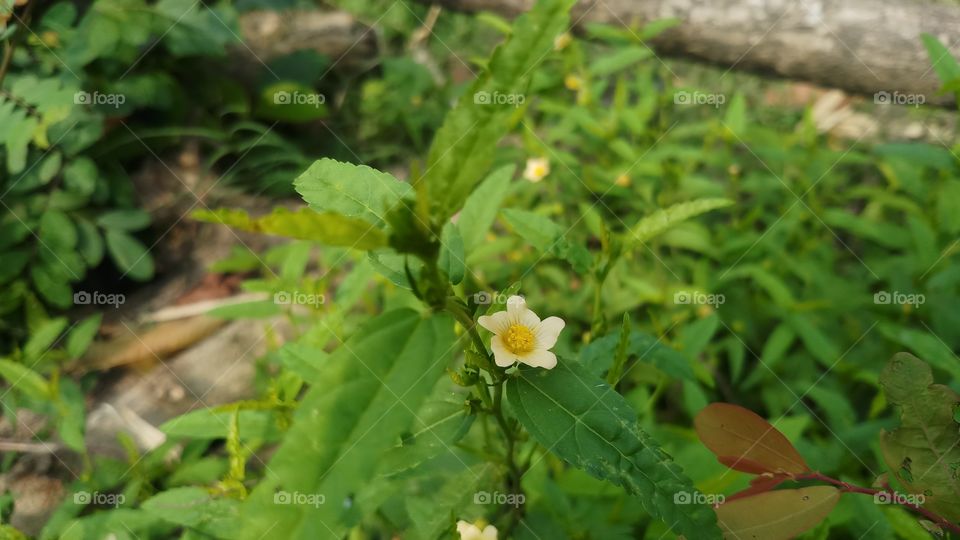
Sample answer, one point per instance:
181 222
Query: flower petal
496 323
489 533
548 332
516 305
501 356
540 358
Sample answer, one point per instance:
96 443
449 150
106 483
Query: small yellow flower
469 531
520 336
572 82
623 180
560 42
536 169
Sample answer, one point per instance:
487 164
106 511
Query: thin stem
850 488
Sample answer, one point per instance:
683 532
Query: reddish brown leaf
744 441
759 484
776 515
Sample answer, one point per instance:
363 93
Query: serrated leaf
776 515
744 441
578 417
365 399
463 146
352 190
305 224
661 220
924 452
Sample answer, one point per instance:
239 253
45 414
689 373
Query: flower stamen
519 339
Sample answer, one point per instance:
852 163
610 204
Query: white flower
536 169
520 336
469 531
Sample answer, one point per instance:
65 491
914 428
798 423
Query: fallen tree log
863 46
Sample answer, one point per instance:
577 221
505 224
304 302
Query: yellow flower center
518 339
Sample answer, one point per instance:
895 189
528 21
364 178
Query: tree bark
863 46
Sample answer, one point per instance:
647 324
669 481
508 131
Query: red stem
850 488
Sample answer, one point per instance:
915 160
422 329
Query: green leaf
663 219
80 176
548 237
24 379
586 423
194 508
191 28
71 406
599 355
364 400
125 220
438 427
942 60
619 59
352 190
44 337
432 514
451 259
924 452
130 255
82 335
482 206
463 146
327 228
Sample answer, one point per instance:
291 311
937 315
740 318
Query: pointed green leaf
581 419
661 220
327 228
363 402
348 189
